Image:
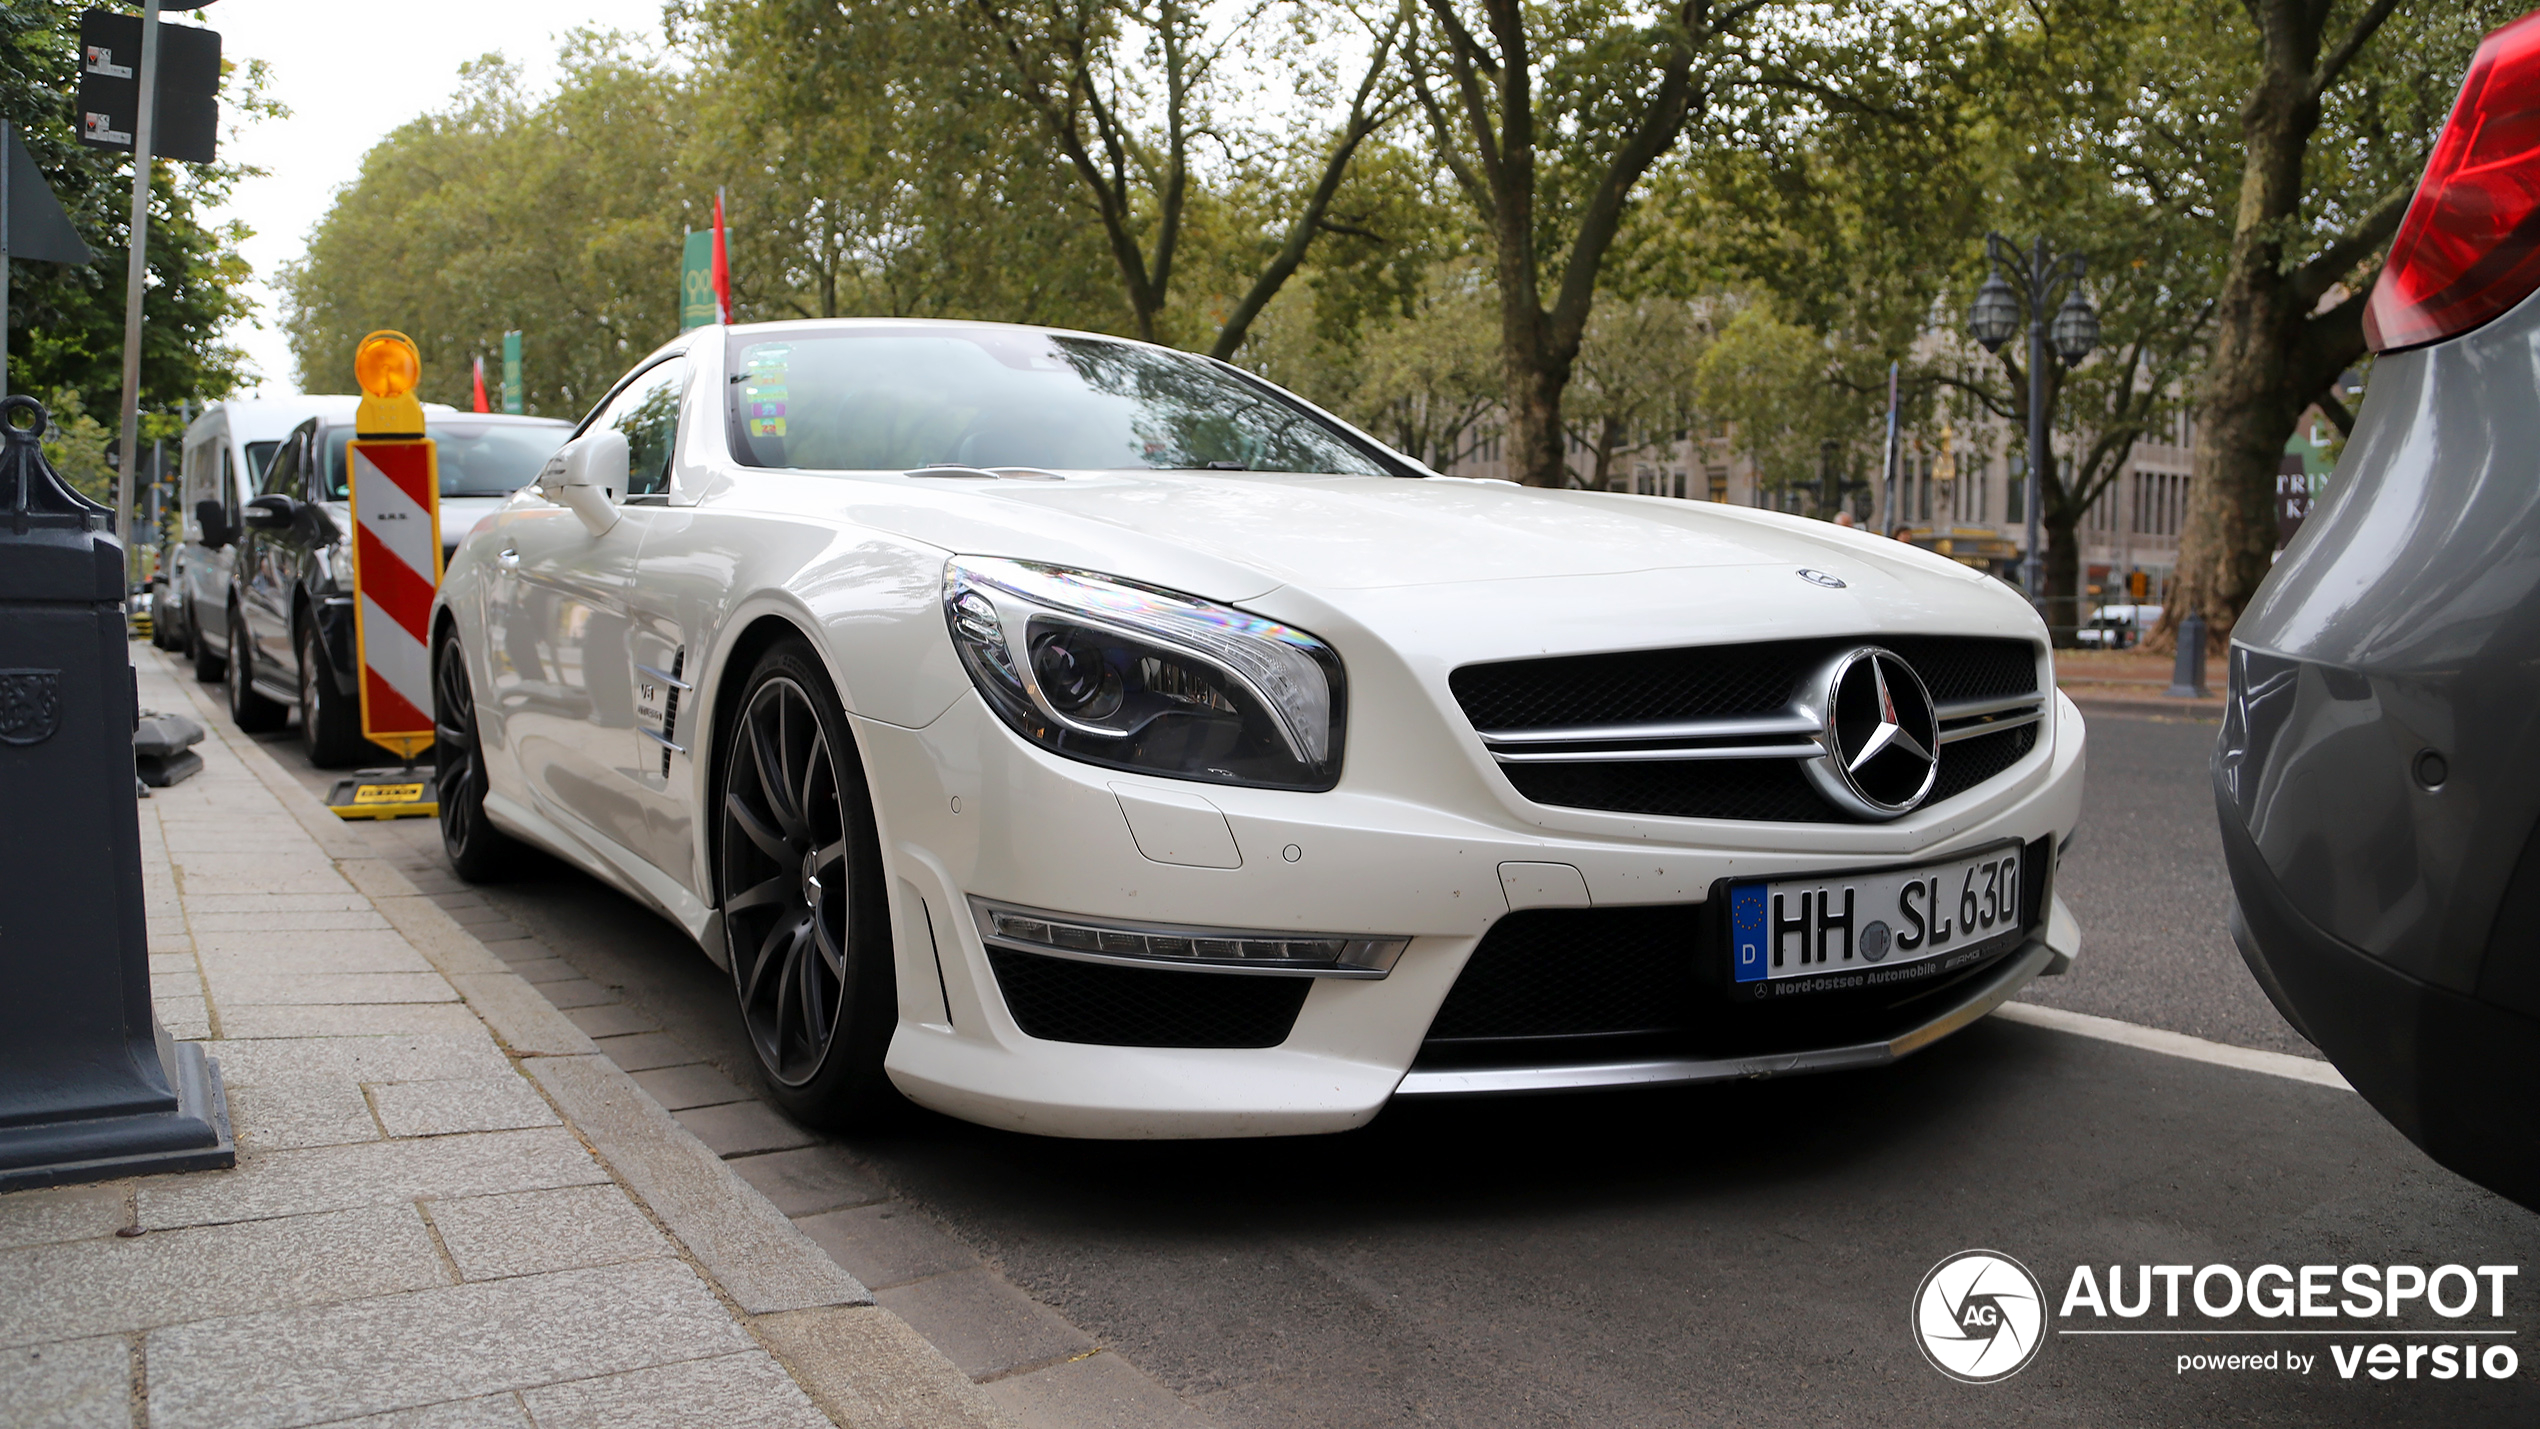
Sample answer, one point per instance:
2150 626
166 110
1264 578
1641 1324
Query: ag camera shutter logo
1979 1316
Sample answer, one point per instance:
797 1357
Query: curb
860 1363
2206 709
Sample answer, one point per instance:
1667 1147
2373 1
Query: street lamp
1991 320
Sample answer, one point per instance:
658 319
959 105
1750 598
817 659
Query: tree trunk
1537 454
2274 352
2063 575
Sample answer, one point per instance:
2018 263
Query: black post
2187 677
91 1087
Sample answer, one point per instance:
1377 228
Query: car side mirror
272 512
593 467
209 514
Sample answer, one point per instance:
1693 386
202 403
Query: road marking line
2176 1044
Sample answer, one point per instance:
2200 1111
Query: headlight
1126 675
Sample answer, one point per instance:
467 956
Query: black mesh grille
1061 1000
1719 681
1970 762
1570 972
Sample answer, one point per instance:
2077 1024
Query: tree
1070 62
560 217
1422 376
1548 117
877 167
1634 387
1784 388
2339 102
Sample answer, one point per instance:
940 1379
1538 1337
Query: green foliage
561 217
65 323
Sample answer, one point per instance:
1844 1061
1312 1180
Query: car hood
1339 534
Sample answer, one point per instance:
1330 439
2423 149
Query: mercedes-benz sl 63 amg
1087 738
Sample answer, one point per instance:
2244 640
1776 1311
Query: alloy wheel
785 869
458 777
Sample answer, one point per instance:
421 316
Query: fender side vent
670 708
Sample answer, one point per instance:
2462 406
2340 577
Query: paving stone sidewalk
449 1210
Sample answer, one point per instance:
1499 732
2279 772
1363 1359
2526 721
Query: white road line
2175 1044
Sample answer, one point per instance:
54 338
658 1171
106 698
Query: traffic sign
396 486
187 124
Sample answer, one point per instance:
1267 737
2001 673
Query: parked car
223 457
2117 627
288 610
1092 739
2378 775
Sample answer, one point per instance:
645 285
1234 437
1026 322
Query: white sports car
1087 738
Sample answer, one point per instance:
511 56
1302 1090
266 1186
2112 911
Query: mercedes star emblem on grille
1817 577
1881 735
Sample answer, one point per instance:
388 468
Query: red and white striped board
396 568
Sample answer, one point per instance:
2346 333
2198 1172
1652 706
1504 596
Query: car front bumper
968 810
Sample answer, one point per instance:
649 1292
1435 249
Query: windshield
260 456
476 458
896 399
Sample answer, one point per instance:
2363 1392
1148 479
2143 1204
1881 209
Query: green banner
696 281
511 372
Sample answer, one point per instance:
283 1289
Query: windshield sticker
763 390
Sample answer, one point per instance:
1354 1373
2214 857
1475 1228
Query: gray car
2379 767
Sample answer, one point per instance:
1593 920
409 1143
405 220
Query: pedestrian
1904 533
1844 518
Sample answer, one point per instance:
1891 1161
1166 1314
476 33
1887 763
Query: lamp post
2074 331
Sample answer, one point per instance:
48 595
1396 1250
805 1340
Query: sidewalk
449 1210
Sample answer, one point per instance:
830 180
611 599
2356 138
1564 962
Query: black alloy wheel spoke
760 964
769 841
771 773
831 955
772 891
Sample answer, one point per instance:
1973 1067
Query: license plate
1893 925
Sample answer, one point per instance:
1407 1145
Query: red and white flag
396 568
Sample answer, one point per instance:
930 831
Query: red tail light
2470 246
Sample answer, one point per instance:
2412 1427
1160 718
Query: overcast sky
350 73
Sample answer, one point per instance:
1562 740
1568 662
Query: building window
1718 479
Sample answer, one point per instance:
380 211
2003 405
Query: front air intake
1062 1000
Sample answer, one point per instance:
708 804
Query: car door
558 637
264 567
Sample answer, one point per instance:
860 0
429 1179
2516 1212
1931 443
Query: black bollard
2187 677
91 1087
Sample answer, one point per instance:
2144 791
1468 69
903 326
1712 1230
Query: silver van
223 459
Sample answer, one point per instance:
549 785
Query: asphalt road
1742 1254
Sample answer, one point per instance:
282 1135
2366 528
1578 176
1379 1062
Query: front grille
1548 986
1061 1000
1725 682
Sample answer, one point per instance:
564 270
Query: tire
253 713
163 625
805 916
330 723
210 666
478 852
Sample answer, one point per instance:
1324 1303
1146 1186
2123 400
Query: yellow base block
383 794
